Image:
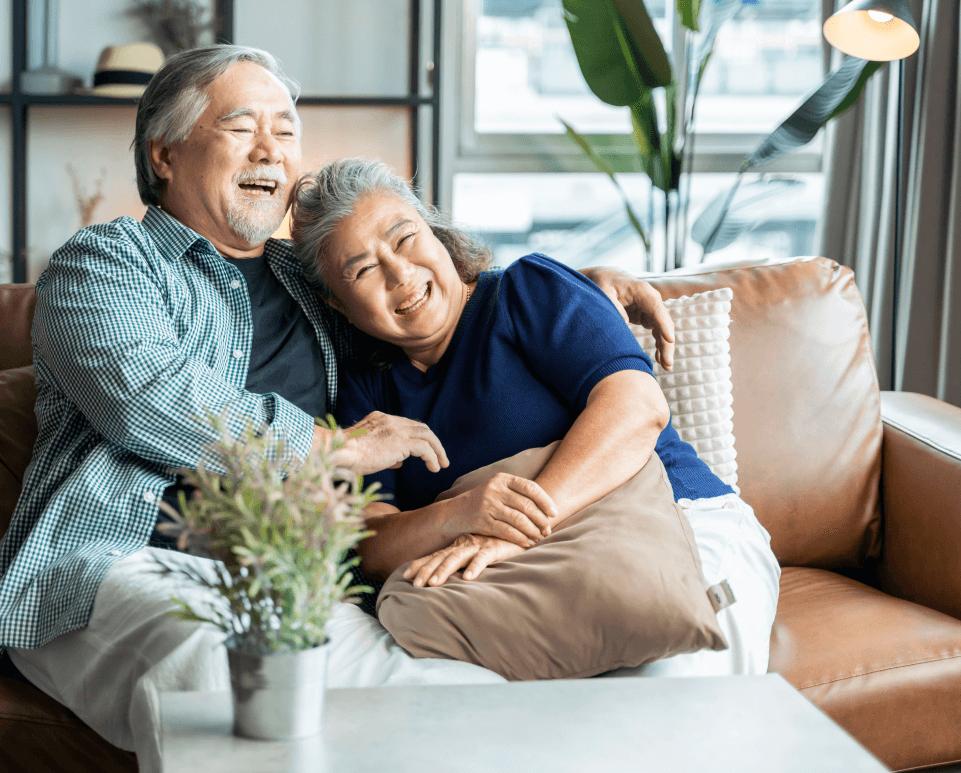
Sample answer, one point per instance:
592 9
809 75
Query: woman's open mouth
414 303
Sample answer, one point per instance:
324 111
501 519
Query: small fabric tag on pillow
721 595
698 388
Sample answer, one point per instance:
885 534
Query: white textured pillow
698 388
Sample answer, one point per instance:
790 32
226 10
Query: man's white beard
254 222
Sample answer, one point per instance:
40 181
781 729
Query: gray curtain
858 222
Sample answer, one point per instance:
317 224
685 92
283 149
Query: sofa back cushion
18 429
16 316
806 405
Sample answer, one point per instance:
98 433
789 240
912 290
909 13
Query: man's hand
384 442
468 550
640 303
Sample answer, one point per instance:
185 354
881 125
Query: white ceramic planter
280 696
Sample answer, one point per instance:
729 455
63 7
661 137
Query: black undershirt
285 357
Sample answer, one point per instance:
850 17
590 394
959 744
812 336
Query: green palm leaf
689 11
838 92
617 48
604 167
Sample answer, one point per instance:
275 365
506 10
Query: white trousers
112 672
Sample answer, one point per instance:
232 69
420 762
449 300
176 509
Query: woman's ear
336 305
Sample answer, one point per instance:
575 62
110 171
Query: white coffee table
743 724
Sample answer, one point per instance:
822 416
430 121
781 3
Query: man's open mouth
259 187
413 303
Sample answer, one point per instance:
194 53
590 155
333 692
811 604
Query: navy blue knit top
531 344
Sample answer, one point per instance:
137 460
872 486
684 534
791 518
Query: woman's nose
398 270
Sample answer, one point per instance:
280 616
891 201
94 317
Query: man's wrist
323 436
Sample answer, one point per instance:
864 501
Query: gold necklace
469 291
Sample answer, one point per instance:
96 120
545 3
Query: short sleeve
360 393
571 335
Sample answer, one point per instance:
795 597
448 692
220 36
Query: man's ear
160 160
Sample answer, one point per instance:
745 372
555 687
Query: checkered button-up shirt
140 330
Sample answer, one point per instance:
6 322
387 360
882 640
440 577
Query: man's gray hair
324 199
176 97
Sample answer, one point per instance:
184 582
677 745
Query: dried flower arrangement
176 25
87 203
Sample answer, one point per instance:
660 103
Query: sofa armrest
921 494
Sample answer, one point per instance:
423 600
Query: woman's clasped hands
494 521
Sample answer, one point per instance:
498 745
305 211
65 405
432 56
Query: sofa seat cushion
37 733
887 670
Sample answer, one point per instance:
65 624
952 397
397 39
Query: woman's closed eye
408 238
363 270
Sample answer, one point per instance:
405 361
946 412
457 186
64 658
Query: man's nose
266 149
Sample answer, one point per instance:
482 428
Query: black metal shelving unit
19 103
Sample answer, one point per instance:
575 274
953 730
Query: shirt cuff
293 426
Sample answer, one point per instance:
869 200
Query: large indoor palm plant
625 64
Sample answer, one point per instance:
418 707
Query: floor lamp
882 31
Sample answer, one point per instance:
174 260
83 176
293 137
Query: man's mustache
267 173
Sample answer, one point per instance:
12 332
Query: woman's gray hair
177 96
323 200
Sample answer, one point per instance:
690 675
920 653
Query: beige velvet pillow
617 584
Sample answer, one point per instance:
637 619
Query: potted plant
280 533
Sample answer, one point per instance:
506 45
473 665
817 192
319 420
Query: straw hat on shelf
125 70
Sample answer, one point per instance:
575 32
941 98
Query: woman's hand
507 507
468 550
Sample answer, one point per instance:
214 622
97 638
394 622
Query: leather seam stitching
879 670
923 439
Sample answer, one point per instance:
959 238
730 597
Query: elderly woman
495 362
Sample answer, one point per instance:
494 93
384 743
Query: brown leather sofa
860 490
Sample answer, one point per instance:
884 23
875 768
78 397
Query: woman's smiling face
393 279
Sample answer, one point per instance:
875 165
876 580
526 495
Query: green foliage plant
625 64
279 532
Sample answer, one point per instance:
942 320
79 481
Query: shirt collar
280 255
172 237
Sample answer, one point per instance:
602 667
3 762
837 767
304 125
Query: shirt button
238 354
115 553
149 496
235 283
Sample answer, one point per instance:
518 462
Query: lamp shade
879 30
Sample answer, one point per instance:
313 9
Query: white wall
332 46
95 141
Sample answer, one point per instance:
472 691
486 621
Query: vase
279 696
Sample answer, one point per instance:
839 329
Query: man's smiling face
231 179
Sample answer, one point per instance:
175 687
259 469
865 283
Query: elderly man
142 326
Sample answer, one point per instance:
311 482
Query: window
517 181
